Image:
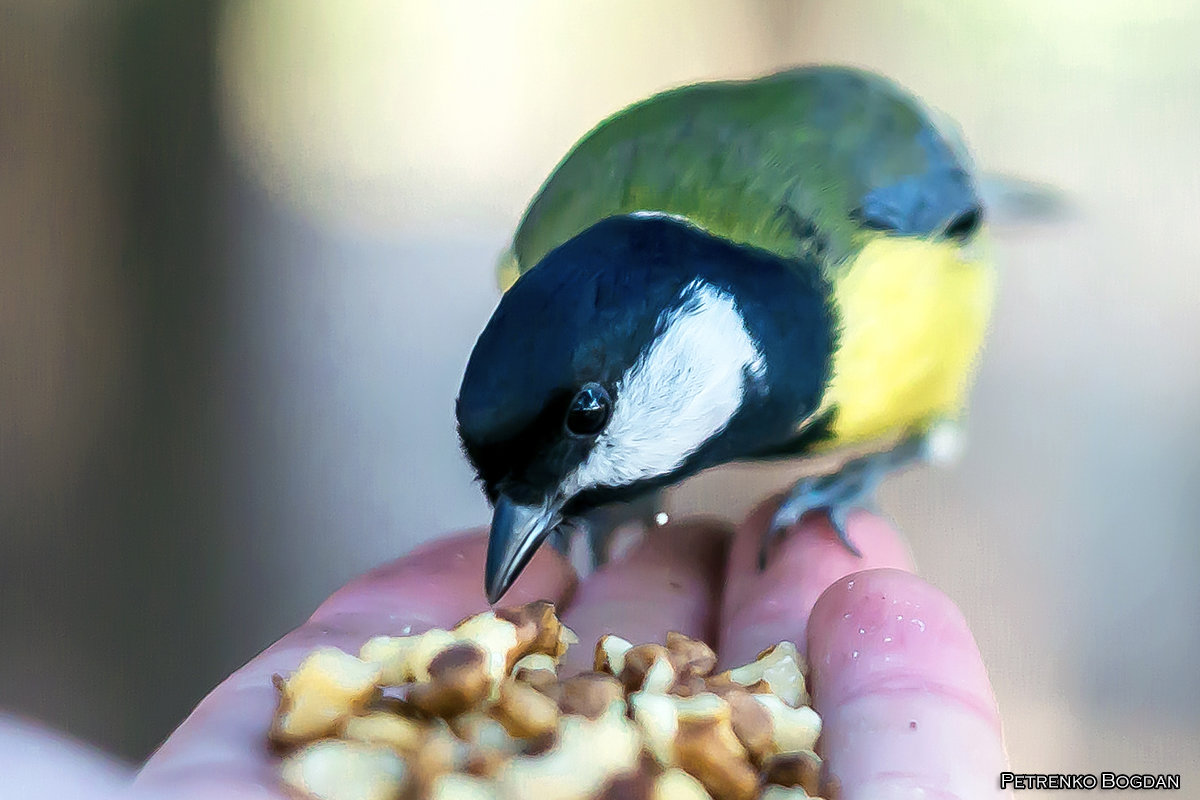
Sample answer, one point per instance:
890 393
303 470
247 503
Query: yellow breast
913 316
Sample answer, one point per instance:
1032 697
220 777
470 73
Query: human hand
907 707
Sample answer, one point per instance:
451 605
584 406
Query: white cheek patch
679 394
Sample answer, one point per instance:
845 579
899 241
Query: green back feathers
781 163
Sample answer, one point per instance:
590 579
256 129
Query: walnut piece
782 670
381 727
479 712
610 654
338 770
325 689
459 678
587 754
802 768
708 750
524 711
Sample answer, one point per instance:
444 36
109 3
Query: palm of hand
896 675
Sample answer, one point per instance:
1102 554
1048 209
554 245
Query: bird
793 266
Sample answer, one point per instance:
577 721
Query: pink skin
760 609
39 763
907 705
219 750
902 690
664 584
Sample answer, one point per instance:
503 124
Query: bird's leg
560 539
595 543
853 486
571 539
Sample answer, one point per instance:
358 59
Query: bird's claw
850 489
790 511
838 515
794 508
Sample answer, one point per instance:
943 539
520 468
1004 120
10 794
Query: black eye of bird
589 411
966 223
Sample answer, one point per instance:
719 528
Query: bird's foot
835 495
849 489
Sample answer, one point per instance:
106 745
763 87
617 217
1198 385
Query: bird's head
628 358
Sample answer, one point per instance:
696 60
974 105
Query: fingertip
39 762
899 682
872 628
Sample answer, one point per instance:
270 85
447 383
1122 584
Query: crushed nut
781 668
802 768
591 752
379 727
539 679
752 723
405 658
784 793
490 746
482 731
336 770
458 679
702 707
590 695
707 749
610 654
326 688
537 670
675 784
454 786
636 785
524 711
535 662
479 712
690 657
792 729
637 664
539 629
661 716
658 719
508 636
439 754
496 637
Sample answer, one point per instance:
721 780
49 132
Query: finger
760 609
907 706
667 583
221 747
37 762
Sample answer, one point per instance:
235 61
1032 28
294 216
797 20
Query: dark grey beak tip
494 576
515 535
494 592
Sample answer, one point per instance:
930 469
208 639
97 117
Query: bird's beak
517 531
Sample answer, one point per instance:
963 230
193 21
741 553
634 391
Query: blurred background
245 249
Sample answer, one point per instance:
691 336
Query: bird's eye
965 224
589 411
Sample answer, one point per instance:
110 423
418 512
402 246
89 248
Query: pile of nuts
479 712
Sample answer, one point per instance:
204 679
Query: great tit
778 267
